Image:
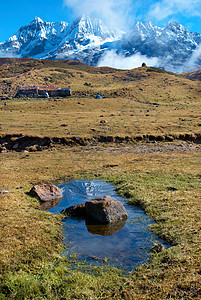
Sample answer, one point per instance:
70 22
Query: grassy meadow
135 103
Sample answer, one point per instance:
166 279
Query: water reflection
126 245
46 205
100 229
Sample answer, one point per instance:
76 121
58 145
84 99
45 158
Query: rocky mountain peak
37 20
175 27
86 25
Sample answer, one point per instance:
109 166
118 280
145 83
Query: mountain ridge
88 40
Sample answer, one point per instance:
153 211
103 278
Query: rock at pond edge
77 210
46 192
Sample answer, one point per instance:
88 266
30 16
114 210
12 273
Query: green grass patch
32 266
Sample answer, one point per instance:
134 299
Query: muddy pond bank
125 245
20 142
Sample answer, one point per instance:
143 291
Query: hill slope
135 102
193 75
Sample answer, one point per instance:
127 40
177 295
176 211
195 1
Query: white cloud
167 8
5 54
118 61
113 12
193 64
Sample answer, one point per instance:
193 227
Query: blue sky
122 13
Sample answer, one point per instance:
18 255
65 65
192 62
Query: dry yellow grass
82 117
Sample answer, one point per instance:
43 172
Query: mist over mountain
88 40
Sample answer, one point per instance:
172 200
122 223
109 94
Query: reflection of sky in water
127 248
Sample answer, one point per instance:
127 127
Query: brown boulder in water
105 210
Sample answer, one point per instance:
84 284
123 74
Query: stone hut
42 92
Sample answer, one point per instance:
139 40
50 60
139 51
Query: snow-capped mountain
173 48
34 39
176 48
57 40
84 39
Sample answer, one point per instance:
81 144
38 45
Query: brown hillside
148 84
193 75
141 101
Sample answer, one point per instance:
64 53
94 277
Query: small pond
124 246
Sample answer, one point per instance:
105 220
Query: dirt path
148 148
